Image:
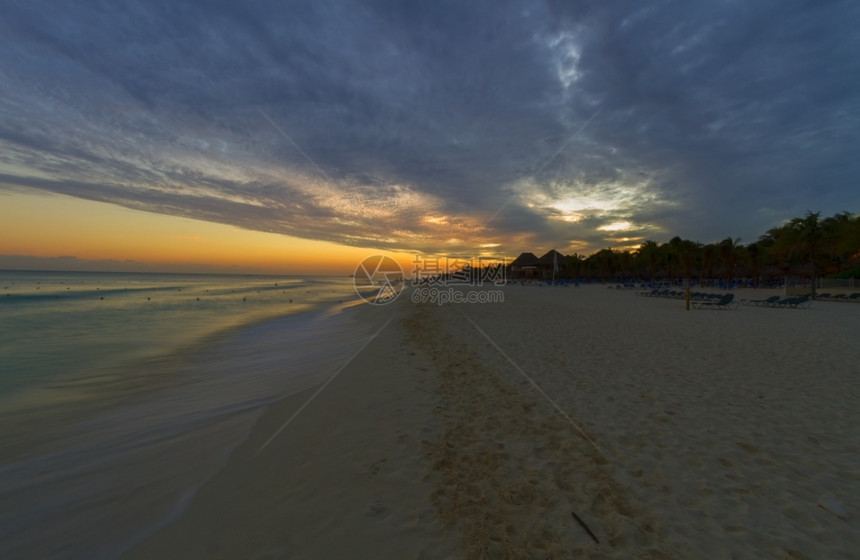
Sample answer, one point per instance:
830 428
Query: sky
300 136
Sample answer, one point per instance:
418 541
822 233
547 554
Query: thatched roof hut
525 266
552 258
552 263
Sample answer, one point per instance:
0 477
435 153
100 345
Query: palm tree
754 256
575 263
809 235
605 262
649 253
710 252
728 254
779 242
670 256
624 260
840 240
688 254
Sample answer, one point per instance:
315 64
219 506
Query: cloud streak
440 127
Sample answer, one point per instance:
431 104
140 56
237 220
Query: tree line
808 247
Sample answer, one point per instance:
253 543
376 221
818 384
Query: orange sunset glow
104 236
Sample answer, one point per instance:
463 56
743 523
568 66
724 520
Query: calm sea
120 394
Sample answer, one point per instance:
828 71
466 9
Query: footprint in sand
377 511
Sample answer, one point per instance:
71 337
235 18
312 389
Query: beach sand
511 430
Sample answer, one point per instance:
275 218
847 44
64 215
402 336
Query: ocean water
121 394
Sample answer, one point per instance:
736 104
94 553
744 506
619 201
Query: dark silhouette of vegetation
805 247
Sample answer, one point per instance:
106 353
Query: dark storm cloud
350 121
747 106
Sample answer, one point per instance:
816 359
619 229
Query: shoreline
724 434
100 480
336 315
157 372
367 498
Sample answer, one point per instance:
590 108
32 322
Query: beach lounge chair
760 302
723 303
793 302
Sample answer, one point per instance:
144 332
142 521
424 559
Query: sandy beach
563 423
